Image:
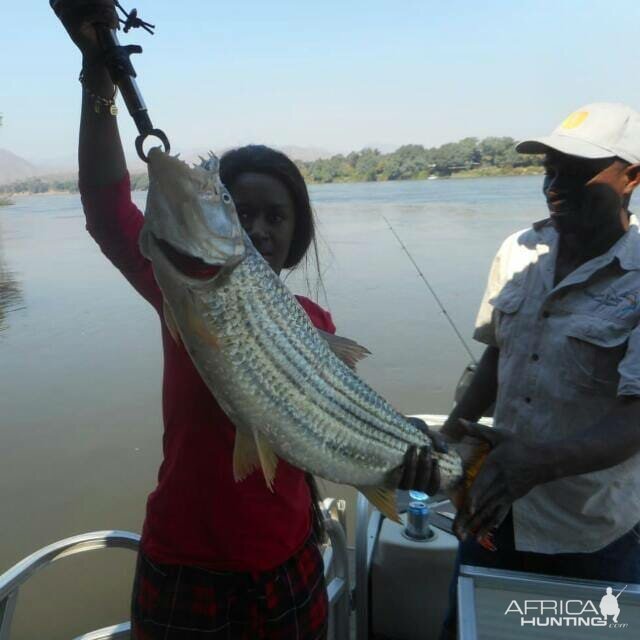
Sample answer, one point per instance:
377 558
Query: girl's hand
420 469
79 18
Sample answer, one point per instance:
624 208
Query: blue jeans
617 562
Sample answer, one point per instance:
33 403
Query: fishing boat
362 580
334 553
392 584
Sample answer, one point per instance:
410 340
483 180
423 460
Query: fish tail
487 542
472 466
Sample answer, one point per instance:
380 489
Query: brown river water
81 363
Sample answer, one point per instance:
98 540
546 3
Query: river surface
81 370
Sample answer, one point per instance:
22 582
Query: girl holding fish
226 558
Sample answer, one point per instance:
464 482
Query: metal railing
336 569
14 578
368 523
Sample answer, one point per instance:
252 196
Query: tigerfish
290 390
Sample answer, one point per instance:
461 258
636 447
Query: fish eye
226 198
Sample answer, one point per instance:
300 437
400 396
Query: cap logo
575 120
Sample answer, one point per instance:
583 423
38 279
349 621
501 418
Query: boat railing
368 521
336 568
14 578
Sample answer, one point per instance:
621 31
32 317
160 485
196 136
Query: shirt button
545 314
535 357
527 399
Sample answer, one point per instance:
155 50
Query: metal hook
157 133
117 59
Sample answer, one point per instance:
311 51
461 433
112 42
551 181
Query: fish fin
268 459
245 455
382 499
170 321
473 453
349 351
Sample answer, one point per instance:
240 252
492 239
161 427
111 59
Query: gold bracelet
101 103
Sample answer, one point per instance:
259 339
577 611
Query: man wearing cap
560 489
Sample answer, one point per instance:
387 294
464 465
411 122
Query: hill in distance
13 167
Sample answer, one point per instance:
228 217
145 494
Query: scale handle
123 75
108 40
118 63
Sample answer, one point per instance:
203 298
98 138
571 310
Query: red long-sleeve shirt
198 515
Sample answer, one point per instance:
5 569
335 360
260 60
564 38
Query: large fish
278 379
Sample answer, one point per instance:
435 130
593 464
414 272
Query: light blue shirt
566 353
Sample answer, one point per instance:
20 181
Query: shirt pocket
506 306
593 350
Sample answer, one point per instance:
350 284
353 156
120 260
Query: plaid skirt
175 602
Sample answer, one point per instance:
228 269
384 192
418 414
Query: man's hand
510 471
420 469
452 430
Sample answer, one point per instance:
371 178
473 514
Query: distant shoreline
467 158
484 172
461 175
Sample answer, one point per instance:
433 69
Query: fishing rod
117 59
433 293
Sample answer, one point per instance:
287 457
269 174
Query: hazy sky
336 75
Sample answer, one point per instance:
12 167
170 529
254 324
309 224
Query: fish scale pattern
256 349
315 411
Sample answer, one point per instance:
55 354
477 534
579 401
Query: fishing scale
117 59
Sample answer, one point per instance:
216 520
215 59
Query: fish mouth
187 265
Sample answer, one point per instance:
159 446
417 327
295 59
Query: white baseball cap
598 130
